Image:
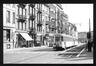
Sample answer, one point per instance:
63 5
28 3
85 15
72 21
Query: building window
25 26
20 11
37 28
8 16
25 12
22 26
40 28
29 24
18 25
33 24
13 18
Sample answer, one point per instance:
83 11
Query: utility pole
89 26
89 38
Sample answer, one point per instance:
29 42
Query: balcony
47 22
39 23
32 5
39 11
52 27
21 18
32 31
21 5
32 17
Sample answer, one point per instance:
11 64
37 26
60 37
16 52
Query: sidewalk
84 57
82 54
17 49
86 54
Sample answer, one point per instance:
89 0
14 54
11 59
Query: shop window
6 35
8 46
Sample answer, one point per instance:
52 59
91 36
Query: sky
79 15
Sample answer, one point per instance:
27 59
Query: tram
62 41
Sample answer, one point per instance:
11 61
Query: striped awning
26 36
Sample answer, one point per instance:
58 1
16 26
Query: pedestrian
89 45
86 46
13 43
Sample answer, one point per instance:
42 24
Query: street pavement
43 55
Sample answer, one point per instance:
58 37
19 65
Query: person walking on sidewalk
89 45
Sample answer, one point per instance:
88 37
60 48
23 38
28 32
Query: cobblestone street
42 55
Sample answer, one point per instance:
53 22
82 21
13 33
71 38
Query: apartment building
28 25
45 22
9 21
23 26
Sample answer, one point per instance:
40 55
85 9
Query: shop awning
26 36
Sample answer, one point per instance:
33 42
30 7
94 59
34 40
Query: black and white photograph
57 33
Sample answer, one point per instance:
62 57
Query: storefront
51 40
39 39
24 40
8 38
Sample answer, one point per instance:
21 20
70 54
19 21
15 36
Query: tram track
74 52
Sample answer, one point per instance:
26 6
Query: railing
32 5
32 17
47 22
39 23
21 18
21 5
39 11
